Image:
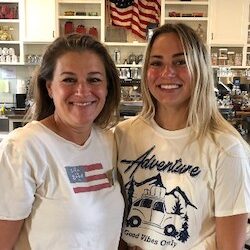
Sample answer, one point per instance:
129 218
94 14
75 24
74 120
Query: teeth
170 86
82 103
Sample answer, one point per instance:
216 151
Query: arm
123 245
9 232
231 232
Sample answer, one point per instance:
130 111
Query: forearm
123 245
231 232
9 232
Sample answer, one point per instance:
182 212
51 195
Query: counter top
243 113
15 116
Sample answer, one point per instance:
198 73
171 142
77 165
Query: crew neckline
184 132
62 138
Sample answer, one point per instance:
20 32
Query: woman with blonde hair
185 169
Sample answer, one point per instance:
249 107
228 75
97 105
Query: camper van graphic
164 212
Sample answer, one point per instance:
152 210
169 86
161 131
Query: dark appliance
20 101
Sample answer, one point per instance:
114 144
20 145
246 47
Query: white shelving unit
231 32
126 49
15 28
192 13
30 44
247 49
91 14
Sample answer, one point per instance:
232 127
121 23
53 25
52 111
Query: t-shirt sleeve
17 185
232 186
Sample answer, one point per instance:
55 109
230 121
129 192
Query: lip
82 104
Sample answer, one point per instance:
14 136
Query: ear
48 86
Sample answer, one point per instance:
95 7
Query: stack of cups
8 55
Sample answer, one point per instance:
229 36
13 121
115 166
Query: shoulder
226 140
22 135
131 124
22 145
232 145
103 135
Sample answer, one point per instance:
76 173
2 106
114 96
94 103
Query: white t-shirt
175 191
61 190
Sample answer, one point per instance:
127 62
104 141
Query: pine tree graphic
177 208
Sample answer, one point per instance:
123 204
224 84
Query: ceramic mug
8 59
2 58
5 51
14 58
11 51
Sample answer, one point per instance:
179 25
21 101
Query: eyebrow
72 73
67 73
175 55
178 54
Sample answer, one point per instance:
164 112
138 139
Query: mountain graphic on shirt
171 205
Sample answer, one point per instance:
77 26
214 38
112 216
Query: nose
82 87
168 71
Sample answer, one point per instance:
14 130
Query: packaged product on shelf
238 59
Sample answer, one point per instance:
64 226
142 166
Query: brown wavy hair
44 105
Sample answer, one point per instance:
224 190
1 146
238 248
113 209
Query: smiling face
78 89
168 77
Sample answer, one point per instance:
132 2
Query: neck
171 119
77 136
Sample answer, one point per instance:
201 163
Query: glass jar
238 59
231 57
248 60
222 60
214 57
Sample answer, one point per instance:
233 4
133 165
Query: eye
94 80
180 62
155 63
69 80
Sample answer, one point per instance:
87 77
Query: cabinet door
39 20
229 21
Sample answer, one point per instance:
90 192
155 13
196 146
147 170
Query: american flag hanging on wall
135 14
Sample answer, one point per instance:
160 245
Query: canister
238 59
231 57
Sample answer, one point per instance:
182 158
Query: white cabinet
39 20
193 13
229 22
248 38
84 16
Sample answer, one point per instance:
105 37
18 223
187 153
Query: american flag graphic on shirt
87 178
135 14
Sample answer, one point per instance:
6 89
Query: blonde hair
204 117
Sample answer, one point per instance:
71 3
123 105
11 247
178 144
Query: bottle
238 90
233 90
200 32
117 56
2 111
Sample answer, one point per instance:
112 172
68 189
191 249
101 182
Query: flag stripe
92 167
119 20
95 177
136 16
91 188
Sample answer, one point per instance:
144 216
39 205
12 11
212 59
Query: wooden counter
243 113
